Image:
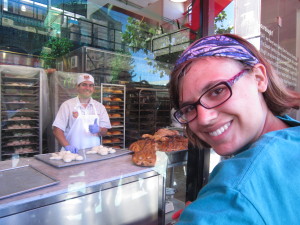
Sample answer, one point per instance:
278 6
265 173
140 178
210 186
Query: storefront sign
283 61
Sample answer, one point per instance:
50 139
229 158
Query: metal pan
18 180
87 158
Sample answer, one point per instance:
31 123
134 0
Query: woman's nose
205 116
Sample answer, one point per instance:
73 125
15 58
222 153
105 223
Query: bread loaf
167 145
137 145
115 123
116 99
163 140
115 115
115 107
146 157
106 99
115 140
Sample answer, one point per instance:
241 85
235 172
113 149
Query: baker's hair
278 97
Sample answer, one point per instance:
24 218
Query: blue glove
71 148
94 128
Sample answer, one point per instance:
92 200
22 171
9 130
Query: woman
229 98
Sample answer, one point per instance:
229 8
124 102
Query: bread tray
87 158
19 180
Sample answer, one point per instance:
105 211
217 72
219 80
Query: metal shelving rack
113 97
147 110
21 113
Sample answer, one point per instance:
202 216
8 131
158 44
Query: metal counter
106 192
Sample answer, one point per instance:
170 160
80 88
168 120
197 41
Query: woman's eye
188 109
217 91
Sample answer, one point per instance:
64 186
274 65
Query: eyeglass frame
229 83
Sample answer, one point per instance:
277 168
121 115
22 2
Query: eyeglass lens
210 99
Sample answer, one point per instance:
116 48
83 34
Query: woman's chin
224 150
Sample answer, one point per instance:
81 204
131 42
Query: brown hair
278 97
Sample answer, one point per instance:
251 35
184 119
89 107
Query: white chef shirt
68 113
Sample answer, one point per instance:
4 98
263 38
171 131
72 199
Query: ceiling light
23 8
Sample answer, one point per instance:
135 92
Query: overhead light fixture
23 8
178 0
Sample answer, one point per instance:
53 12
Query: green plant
54 48
219 24
122 64
138 34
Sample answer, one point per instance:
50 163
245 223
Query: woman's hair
278 97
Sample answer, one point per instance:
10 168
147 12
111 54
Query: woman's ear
261 77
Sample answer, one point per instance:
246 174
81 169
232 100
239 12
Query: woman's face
238 121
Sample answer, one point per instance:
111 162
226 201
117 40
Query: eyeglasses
213 97
87 85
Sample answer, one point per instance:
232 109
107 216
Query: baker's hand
94 128
71 148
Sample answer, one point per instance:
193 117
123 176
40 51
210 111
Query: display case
147 110
109 192
113 98
21 111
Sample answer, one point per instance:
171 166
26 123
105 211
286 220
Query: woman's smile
220 130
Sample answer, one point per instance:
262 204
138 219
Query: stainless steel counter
113 191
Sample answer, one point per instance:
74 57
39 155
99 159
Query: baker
81 121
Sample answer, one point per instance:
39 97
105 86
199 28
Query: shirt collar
90 102
289 120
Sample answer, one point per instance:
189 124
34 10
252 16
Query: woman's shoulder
277 146
258 174
287 136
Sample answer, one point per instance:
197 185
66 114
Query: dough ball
79 157
67 159
91 152
111 150
103 151
56 157
54 154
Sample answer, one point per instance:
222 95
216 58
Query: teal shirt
260 185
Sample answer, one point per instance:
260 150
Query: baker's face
85 89
238 121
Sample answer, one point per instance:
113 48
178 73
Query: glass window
129 47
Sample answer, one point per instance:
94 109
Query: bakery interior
129 46
139 173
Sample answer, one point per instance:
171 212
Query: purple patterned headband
218 45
